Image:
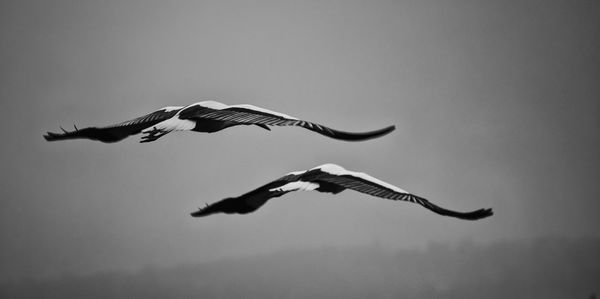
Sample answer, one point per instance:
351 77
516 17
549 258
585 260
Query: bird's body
328 178
206 117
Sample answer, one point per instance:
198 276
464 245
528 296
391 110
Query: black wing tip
473 215
374 134
366 135
478 214
352 136
387 130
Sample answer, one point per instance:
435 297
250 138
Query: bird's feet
151 135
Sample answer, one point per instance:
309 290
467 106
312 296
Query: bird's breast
298 185
175 124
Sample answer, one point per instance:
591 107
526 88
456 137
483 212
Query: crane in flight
329 178
207 117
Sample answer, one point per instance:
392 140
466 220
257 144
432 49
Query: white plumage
207 117
328 178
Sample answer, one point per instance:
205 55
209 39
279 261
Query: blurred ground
544 268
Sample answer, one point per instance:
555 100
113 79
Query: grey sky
495 103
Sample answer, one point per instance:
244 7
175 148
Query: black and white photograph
300 149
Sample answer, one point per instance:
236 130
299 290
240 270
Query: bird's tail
346 136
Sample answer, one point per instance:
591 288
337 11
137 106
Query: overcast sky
496 104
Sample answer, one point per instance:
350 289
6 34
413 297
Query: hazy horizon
549 268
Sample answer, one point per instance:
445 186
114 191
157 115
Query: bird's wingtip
388 129
483 213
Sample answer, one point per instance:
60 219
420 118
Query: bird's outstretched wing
329 178
367 184
248 114
248 202
116 132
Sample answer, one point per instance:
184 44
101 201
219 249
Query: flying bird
208 117
329 178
